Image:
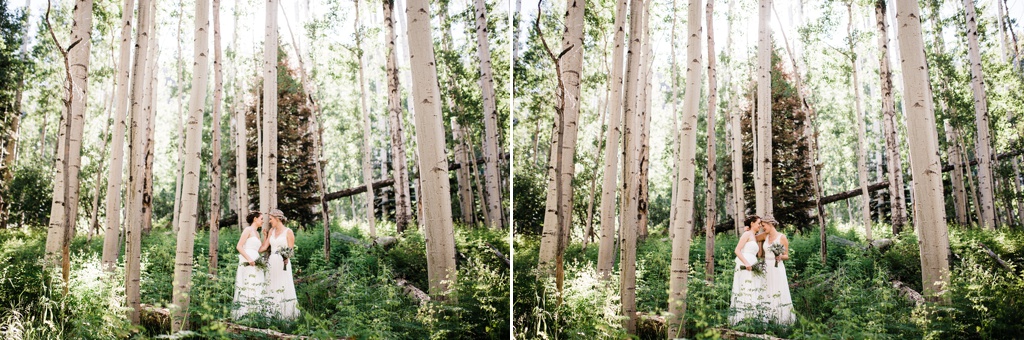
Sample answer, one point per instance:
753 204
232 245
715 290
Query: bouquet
260 263
758 268
286 253
777 249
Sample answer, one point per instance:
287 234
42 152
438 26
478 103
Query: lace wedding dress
776 293
249 280
746 286
280 286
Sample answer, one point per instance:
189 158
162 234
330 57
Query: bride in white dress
249 280
280 286
746 286
776 293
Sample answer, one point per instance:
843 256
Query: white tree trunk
218 95
606 251
149 101
180 143
64 206
925 165
111 244
983 140
957 175
403 206
862 169
268 135
895 164
739 197
644 105
136 163
630 168
711 172
558 216
1018 188
462 174
763 149
190 187
367 142
435 197
491 155
94 221
682 228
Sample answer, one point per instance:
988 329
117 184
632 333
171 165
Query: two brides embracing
264 285
760 289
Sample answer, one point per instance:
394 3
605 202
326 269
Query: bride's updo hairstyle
251 216
750 219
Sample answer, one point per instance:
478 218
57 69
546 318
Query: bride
746 285
280 287
776 294
249 279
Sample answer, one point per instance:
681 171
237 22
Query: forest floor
356 294
854 295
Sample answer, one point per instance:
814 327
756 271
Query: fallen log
232 219
995 256
880 244
907 292
412 291
499 254
734 334
162 317
949 167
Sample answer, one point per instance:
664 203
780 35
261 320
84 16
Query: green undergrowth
850 297
354 294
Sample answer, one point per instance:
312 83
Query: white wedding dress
746 286
280 286
776 293
249 280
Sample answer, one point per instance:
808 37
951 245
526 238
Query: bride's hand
252 263
750 267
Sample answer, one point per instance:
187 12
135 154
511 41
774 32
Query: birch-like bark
558 216
190 185
403 206
763 193
180 144
644 106
94 222
630 168
111 241
367 141
218 95
675 116
149 99
739 197
463 173
1018 188
436 198
606 252
957 175
136 163
64 205
925 165
491 156
711 172
268 134
862 169
682 229
895 164
983 139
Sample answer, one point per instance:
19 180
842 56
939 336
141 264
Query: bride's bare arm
291 238
785 247
241 245
739 249
266 242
